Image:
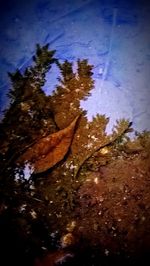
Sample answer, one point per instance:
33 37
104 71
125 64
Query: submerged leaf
49 150
97 136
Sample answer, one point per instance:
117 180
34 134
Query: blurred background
113 35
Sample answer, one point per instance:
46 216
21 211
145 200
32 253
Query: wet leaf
49 150
98 138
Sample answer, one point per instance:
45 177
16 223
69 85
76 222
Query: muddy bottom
110 221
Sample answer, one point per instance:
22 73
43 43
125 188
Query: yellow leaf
49 150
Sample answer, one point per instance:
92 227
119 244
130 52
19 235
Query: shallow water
74 191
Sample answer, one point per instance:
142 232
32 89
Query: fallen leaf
49 150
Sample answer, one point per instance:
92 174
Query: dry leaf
49 150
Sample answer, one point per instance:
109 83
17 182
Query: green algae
43 204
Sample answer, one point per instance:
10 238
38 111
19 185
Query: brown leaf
100 138
49 150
